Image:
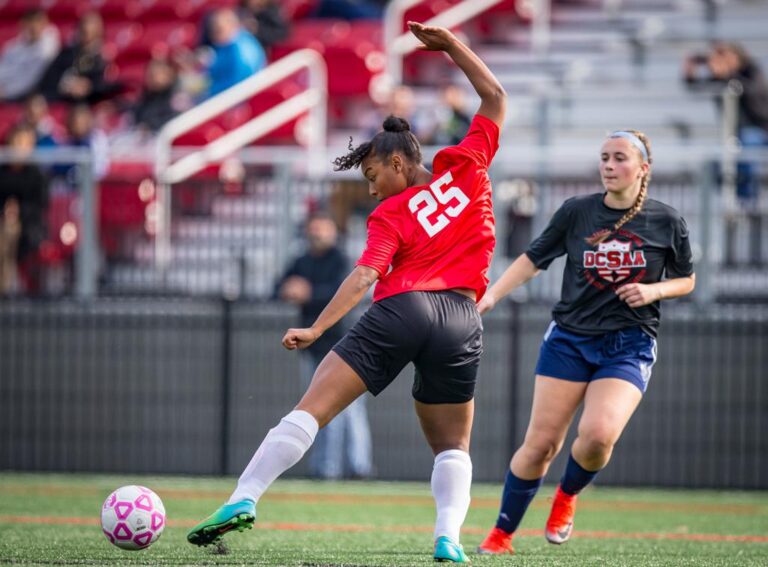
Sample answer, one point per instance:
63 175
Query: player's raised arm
493 98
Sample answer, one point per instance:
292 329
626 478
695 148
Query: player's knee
597 441
541 451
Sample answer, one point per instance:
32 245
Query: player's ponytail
601 235
396 136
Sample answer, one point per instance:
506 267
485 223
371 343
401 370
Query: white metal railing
540 26
398 44
312 100
730 142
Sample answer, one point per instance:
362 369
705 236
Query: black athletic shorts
439 331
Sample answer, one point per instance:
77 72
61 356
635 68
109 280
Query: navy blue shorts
628 354
439 331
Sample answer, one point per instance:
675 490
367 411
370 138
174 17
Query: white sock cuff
453 455
304 421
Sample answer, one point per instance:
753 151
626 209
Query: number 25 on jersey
425 204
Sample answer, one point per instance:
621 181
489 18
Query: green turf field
54 519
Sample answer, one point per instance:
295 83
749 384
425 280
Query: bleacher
603 69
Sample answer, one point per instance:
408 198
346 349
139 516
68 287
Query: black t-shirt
29 186
652 245
325 273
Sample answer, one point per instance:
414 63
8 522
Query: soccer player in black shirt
625 253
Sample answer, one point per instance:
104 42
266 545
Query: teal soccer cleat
446 550
237 516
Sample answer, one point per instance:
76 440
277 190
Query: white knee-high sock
282 448
451 481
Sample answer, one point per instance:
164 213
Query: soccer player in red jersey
430 243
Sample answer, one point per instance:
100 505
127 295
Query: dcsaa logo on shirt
613 261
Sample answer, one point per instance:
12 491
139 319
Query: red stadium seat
157 39
494 21
418 13
14 9
123 201
62 209
352 51
216 127
10 115
180 10
273 96
67 31
498 19
122 34
131 76
120 204
68 12
297 9
327 31
228 121
8 30
59 112
200 136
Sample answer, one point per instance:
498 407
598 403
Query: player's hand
433 38
637 294
487 303
300 338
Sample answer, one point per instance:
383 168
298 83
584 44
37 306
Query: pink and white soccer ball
133 517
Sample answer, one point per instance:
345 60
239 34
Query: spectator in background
727 62
343 447
82 133
37 116
23 203
236 53
452 120
77 74
265 20
26 57
401 102
156 106
10 229
724 63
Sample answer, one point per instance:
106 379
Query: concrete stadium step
201 278
246 208
742 283
674 117
189 252
188 279
242 232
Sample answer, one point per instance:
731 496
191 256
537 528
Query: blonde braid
601 235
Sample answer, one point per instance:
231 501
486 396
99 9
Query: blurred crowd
39 73
68 95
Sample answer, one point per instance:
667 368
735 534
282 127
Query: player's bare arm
493 98
519 272
637 294
349 294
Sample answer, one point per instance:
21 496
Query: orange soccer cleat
560 521
497 542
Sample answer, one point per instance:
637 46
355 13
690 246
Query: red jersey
441 235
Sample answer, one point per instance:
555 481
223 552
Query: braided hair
396 136
601 235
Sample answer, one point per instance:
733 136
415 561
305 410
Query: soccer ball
132 517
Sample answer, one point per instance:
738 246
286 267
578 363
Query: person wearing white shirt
26 57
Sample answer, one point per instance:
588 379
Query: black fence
192 385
